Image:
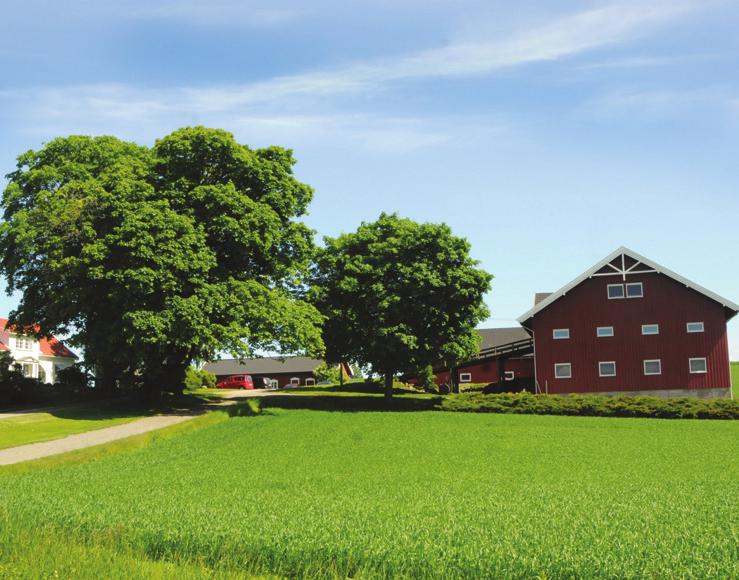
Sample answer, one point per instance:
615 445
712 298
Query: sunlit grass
303 492
35 427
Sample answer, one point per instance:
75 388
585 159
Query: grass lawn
35 427
735 379
368 493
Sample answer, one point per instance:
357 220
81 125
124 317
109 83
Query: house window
310 382
694 327
562 371
634 290
698 366
615 291
560 333
604 331
607 369
27 369
509 375
653 367
465 377
23 343
650 328
295 381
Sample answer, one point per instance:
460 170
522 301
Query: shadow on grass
350 404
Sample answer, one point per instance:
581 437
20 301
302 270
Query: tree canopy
149 258
398 295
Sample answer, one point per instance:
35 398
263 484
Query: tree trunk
388 384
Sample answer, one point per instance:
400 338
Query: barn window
604 331
310 382
698 366
650 329
509 375
634 290
560 333
562 371
295 381
615 291
653 367
695 327
465 377
607 369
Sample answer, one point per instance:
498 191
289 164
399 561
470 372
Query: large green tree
399 295
149 258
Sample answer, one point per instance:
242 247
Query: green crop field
415 493
735 379
35 427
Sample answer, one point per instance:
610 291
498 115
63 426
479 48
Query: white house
40 359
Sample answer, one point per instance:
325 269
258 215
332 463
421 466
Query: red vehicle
235 382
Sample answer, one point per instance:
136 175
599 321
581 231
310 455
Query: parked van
235 382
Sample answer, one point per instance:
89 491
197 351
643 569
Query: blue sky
547 133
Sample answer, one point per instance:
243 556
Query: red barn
628 325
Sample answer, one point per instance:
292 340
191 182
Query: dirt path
33 451
88 439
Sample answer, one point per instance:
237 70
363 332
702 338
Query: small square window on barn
653 367
634 290
562 371
615 291
295 381
509 375
310 382
698 366
607 369
604 331
650 328
465 377
560 333
694 327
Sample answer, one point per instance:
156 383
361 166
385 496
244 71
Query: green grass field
35 427
735 379
332 493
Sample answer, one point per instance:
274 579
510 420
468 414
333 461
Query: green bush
326 373
593 405
198 378
72 379
426 378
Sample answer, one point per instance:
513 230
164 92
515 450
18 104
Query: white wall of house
32 362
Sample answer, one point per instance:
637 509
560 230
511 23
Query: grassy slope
735 379
420 493
36 427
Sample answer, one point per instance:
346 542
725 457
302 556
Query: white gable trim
652 267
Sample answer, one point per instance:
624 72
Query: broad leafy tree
149 258
398 295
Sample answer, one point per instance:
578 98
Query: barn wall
665 302
487 372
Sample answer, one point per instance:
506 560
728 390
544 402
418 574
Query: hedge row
593 406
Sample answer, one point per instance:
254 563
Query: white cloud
301 101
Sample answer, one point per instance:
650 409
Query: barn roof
638 264
492 337
263 366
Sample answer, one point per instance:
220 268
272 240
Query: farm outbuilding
630 325
286 371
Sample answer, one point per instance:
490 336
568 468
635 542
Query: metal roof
728 304
263 366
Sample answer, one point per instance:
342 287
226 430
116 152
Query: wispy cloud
302 97
636 62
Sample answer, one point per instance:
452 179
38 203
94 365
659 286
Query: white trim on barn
647 267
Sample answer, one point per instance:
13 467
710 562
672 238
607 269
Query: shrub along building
630 325
286 371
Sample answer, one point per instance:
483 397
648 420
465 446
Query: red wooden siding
487 372
666 302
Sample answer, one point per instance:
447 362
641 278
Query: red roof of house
49 346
